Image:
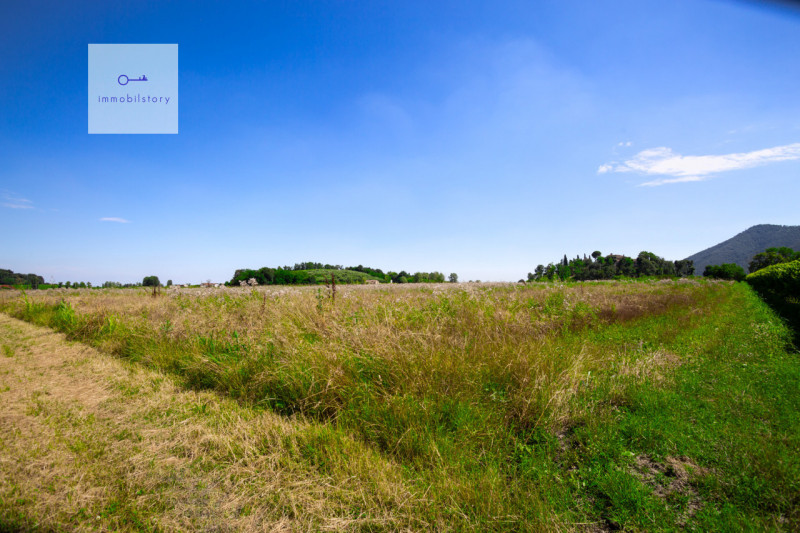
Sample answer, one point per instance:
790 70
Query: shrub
725 271
781 280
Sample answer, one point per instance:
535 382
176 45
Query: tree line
9 277
773 256
310 273
33 281
597 266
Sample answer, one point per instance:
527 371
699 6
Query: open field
583 407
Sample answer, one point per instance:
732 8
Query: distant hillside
741 248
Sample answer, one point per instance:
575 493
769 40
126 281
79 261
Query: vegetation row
612 266
310 273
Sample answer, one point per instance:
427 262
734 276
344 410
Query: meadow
641 406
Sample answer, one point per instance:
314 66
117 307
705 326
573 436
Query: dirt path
89 442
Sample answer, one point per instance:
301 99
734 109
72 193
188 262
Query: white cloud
115 219
624 143
678 168
14 202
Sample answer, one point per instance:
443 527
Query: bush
779 286
725 271
781 280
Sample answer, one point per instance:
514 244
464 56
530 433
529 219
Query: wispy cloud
15 202
115 219
678 168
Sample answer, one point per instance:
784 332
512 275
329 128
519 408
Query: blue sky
471 137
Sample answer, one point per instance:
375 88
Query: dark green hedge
782 280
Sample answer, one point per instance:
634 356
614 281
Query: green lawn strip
729 419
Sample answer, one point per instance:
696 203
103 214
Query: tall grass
471 387
393 358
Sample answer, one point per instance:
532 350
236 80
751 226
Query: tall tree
772 256
151 281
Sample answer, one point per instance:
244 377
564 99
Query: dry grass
672 479
94 443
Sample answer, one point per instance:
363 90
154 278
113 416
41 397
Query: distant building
372 282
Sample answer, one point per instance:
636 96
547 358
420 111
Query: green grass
731 409
634 406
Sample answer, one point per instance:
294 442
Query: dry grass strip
89 442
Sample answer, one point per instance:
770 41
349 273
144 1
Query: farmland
453 407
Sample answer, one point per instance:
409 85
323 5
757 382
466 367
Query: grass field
643 406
